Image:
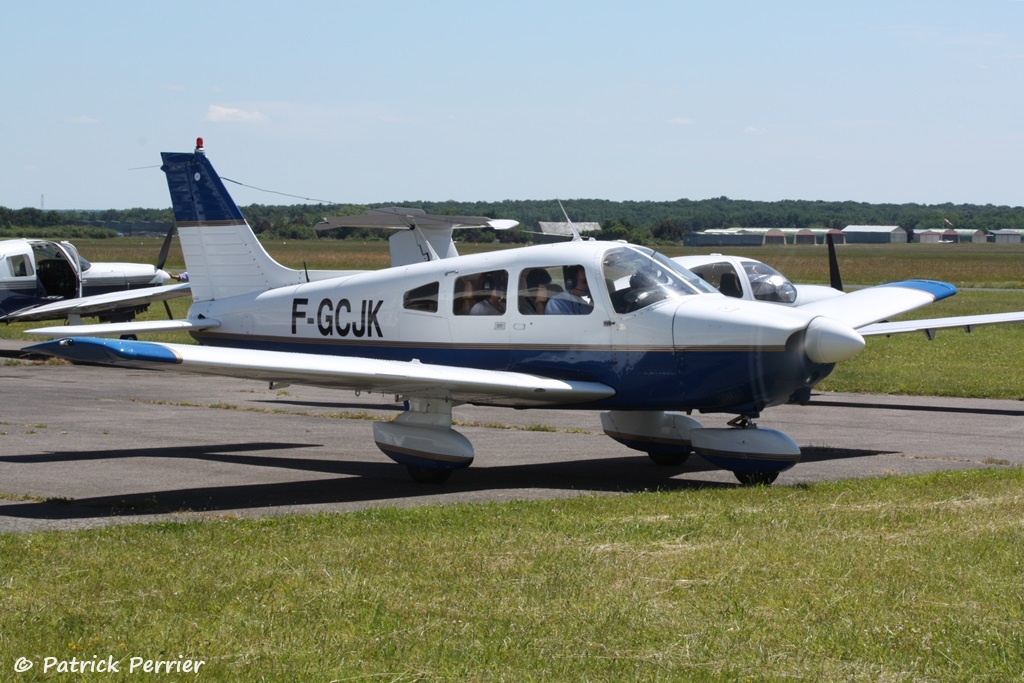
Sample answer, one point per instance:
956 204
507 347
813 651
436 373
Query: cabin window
20 265
768 284
722 276
536 287
638 277
571 295
481 293
422 298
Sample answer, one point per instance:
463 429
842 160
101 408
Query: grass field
890 579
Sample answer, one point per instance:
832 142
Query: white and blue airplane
48 280
582 325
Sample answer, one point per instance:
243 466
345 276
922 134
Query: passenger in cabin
534 297
575 300
493 302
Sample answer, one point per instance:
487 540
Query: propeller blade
165 248
833 265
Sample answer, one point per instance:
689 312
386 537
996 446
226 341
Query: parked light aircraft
47 280
636 336
746 278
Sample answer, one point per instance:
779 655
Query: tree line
637 221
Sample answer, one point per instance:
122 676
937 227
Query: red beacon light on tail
199 145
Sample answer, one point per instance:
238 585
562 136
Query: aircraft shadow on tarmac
958 410
360 481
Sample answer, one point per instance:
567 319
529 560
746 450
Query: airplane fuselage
695 349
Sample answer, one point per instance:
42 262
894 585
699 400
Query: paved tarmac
86 446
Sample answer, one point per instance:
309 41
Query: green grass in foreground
888 579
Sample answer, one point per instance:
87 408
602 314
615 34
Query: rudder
222 255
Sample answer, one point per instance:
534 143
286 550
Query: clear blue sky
360 102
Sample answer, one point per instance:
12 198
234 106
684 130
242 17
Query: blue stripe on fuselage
710 380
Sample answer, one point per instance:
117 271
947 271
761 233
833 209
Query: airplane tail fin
222 255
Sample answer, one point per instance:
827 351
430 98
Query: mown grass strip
910 578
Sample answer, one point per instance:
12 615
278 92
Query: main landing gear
422 439
755 456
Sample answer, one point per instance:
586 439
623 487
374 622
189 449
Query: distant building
757 237
732 237
928 236
1007 236
875 234
820 235
973 236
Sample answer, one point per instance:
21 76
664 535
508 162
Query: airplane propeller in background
165 249
834 278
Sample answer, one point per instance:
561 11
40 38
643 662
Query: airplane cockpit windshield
768 284
638 277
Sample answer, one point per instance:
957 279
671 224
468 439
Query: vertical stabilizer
222 255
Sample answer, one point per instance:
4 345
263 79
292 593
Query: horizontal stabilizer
411 378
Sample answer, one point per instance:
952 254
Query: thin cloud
218 114
84 120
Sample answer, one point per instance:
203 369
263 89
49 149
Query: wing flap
490 387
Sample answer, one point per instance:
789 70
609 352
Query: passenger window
19 265
422 298
481 293
536 287
573 297
722 276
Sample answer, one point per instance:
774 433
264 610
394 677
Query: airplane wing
865 308
462 385
401 218
99 303
928 326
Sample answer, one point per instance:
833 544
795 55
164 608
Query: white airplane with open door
583 325
48 280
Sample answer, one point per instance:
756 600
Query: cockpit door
58 273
